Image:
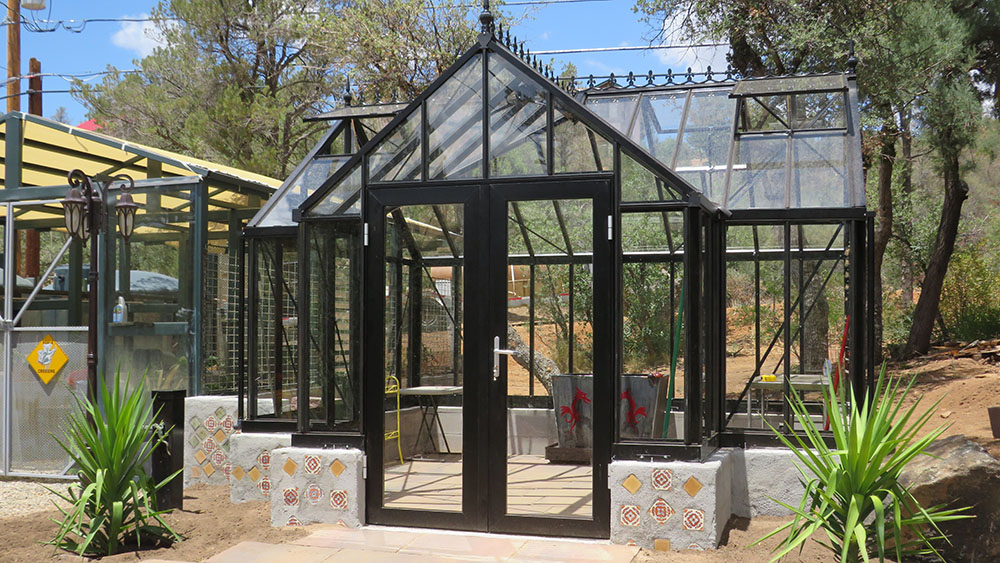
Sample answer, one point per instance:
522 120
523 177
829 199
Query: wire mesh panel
39 408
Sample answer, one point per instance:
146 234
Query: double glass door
488 356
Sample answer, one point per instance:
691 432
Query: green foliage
970 299
114 505
852 491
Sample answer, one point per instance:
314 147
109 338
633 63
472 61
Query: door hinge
611 227
364 466
365 234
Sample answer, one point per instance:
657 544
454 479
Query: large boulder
960 473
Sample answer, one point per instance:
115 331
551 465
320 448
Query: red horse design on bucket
571 412
633 414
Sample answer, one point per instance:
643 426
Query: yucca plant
852 492
114 504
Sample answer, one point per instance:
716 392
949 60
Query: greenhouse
502 290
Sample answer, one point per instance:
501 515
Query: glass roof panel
658 123
824 110
309 178
641 184
616 110
575 147
455 124
789 84
343 199
758 176
397 157
517 121
429 227
819 171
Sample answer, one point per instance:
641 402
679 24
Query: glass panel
334 325
758 175
704 150
790 84
517 121
274 356
424 364
397 157
343 199
818 111
658 122
553 348
616 110
455 124
575 147
640 184
768 113
310 177
819 171
652 322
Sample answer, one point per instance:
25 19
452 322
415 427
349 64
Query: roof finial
486 18
348 98
852 60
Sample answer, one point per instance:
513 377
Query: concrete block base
250 460
317 486
209 423
684 503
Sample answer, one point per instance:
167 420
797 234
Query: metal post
692 325
94 205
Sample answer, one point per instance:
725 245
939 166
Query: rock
961 473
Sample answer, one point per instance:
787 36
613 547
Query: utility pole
13 55
32 240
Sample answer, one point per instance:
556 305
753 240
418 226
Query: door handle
497 351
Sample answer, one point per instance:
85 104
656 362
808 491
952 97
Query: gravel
24 496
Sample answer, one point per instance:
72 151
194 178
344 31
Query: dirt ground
964 386
209 522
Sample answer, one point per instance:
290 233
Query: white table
798 383
426 398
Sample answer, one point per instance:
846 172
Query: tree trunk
955 193
545 368
905 223
883 229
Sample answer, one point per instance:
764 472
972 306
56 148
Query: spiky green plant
114 504
852 492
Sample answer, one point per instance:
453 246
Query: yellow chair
392 388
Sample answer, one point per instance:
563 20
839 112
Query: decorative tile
195 422
220 412
220 436
314 494
338 499
337 468
291 496
663 479
312 464
290 467
219 458
265 486
692 486
264 459
196 472
293 521
225 446
201 433
200 456
254 473
631 543
208 469
194 441
211 423
632 483
630 515
661 511
661 545
210 445
227 469
694 519
238 472
695 546
227 424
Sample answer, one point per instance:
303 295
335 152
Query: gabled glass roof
786 142
493 114
341 141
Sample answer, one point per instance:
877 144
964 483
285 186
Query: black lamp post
85 213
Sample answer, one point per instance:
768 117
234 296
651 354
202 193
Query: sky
561 25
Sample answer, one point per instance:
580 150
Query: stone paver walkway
335 543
